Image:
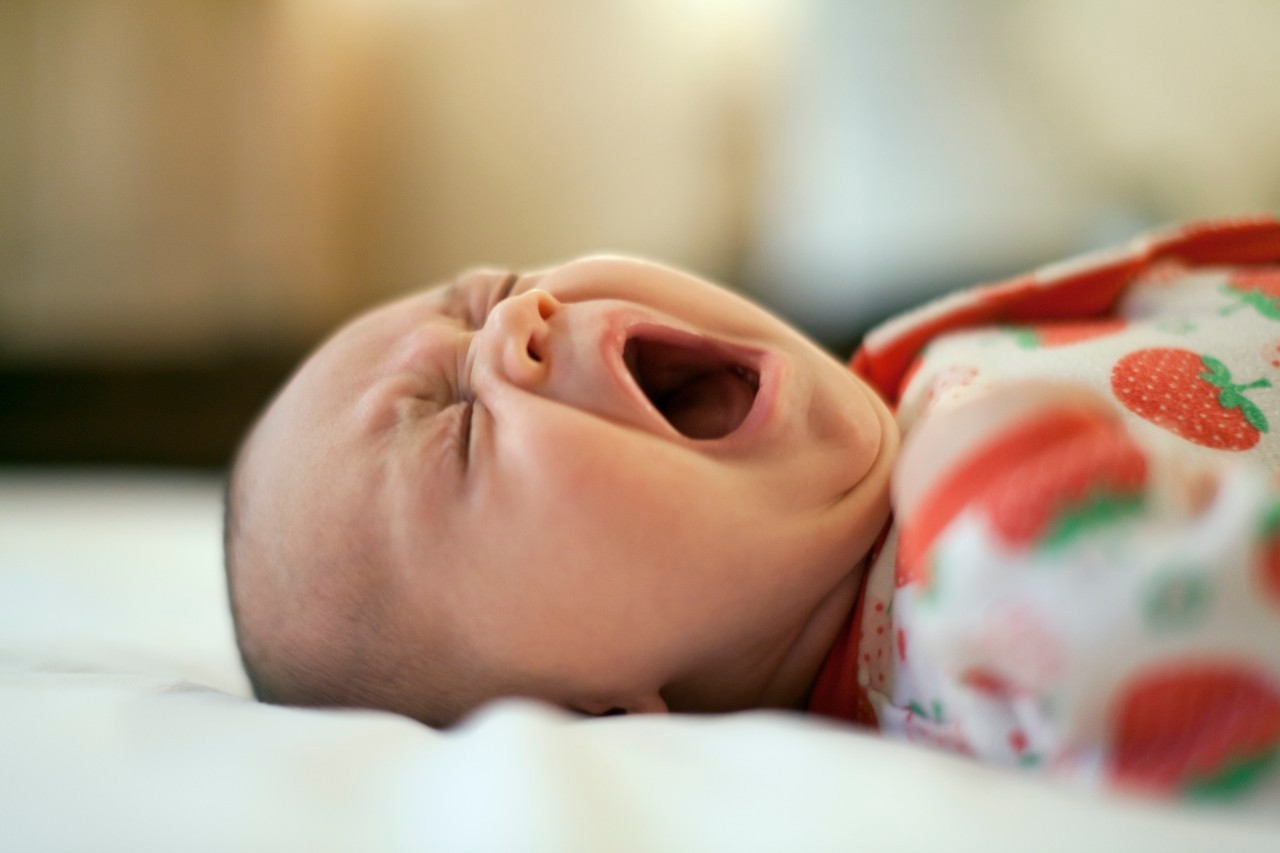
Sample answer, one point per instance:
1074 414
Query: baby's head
609 485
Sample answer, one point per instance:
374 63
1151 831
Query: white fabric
124 726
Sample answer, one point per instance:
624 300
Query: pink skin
576 538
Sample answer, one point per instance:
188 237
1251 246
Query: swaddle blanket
1093 597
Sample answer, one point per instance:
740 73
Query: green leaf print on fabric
1176 599
1231 395
1235 779
919 710
1264 303
1096 511
1269 525
1025 338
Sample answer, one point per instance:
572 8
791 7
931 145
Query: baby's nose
517 331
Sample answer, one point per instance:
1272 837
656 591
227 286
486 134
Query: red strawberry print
1269 564
1030 650
877 645
948 736
1208 728
1271 352
989 683
1191 395
1257 288
1068 488
951 378
1045 335
1041 482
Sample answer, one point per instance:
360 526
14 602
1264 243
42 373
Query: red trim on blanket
836 692
1086 293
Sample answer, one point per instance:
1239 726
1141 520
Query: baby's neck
799 667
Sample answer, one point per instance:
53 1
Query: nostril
534 349
547 304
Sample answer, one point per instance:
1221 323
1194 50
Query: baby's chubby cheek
877 431
837 433
874 439
838 407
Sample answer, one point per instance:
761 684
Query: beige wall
1175 102
185 178
197 176
154 206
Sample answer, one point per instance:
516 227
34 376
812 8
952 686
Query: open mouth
700 389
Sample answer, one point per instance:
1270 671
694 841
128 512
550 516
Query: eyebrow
452 291
508 285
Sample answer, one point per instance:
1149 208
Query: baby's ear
650 703
640 703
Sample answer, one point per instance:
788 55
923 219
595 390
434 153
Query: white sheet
124 726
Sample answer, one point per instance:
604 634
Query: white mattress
124 725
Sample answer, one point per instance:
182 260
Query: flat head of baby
610 485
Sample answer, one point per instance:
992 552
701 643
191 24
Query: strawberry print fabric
1089 597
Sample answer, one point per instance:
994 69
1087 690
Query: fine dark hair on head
311 645
231 525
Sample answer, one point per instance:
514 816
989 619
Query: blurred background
192 192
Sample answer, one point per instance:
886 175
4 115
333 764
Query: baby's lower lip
769 368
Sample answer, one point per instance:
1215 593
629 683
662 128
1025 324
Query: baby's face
613 483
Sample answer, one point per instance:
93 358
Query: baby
618 488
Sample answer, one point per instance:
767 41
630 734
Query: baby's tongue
709 406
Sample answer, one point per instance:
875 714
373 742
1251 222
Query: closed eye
465 426
504 289
471 298
465 430
465 422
